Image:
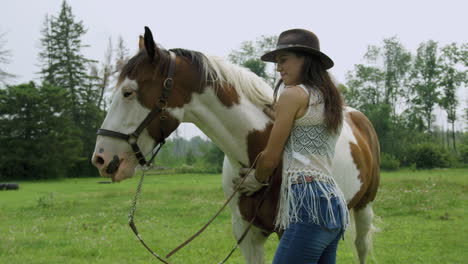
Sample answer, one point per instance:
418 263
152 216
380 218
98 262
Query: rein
132 139
236 189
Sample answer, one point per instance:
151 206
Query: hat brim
271 56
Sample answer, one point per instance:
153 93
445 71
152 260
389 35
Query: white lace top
310 147
309 153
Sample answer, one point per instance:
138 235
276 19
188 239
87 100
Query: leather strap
110 133
234 192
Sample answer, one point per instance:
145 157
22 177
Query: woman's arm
287 107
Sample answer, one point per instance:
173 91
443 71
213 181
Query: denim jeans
304 242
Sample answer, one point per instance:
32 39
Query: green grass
421 216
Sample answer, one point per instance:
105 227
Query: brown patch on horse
265 218
228 95
366 156
150 87
188 79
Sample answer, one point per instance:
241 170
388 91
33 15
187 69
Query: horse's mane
215 71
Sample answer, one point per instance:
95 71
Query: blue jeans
304 242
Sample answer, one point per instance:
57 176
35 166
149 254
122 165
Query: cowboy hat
301 40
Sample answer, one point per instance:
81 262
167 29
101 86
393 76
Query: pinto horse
226 102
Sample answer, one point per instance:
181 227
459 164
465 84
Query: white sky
345 28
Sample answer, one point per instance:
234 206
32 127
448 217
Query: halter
160 107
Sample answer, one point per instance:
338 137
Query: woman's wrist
260 179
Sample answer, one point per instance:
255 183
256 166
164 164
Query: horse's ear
141 43
150 45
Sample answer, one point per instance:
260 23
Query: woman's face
289 65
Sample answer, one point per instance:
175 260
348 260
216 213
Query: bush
427 156
389 162
463 153
193 169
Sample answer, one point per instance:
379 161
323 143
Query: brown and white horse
226 102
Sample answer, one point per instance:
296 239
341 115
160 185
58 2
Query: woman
308 120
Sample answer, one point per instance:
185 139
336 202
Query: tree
37 137
383 78
465 113
464 54
450 79
425 80
5 55
103 75
189 157
64 66
397 62
376 88
364 86
214 157
121 54
249 54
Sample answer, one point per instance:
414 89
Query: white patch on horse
344 170
223 124
244 81
124 116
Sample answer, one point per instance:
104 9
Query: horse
226 102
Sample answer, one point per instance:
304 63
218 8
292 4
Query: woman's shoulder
313 93
295 93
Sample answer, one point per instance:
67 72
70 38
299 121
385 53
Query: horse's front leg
252 246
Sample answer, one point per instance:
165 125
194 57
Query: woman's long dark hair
315 75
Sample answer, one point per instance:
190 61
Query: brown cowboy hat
302 40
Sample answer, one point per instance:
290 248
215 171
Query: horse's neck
234 129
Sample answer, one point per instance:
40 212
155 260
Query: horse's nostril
100 161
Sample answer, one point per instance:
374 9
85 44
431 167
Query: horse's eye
127 93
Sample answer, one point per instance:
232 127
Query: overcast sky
345 28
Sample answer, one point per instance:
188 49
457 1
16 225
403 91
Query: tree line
47 128
399 91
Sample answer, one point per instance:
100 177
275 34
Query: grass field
422 217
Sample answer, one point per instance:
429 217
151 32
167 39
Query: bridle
158 110
132 139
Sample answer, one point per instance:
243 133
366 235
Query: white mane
244 81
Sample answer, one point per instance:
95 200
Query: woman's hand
250 185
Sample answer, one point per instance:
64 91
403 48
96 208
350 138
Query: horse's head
142 88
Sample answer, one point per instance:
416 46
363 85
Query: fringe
307 196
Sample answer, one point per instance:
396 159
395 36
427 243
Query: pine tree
64 66
5 55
